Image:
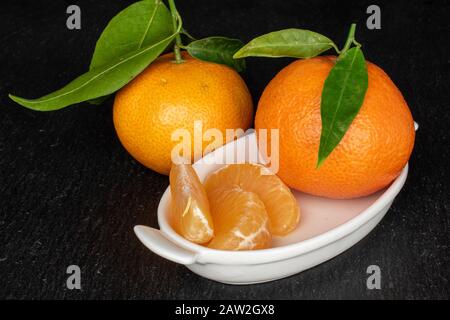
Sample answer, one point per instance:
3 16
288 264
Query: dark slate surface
70 194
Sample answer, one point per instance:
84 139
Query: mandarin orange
168 96
373 151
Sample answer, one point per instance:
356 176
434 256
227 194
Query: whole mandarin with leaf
373 151
168 96
160 94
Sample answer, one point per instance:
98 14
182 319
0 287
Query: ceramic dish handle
159 244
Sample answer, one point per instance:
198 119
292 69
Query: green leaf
137 26
219 50
342 96
295 43
100 81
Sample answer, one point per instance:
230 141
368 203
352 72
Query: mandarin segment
240 219
280 204
190 215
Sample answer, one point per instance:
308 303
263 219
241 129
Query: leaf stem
175 20
187 34
350 39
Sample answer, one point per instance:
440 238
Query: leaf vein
150 22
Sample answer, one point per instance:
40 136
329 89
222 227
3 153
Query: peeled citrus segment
190 215
240 219
280 203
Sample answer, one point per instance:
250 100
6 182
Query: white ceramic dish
327 228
